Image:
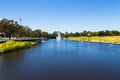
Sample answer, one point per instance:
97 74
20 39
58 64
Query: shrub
18 47
9 49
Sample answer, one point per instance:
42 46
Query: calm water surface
67 60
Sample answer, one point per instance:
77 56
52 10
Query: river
65 60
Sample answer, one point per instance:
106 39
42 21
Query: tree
54 34
45 34
8 27
115 32
101 33
84 33
66 34
77 34
36 33
12 28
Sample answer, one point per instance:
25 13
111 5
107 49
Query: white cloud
1 18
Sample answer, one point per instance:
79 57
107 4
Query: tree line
89 33
11 28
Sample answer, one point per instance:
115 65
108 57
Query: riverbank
10 46
103 39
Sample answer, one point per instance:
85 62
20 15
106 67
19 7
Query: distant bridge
23 39
1 41
29 39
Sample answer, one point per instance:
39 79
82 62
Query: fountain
58 37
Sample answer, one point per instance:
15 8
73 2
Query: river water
65 60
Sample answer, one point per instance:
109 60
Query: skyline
64 15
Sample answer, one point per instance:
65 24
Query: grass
106 39
15 45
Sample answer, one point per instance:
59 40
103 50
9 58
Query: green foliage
54 34
36 33
11 46
28 45
45 34
12 28
89 33
9 49
19 47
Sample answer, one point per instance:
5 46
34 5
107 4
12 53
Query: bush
18 47
27 45
9 49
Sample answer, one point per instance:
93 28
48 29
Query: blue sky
64 15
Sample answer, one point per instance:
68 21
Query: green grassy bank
105 39
10 46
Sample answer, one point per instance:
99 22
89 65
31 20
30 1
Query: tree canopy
89 33
12 29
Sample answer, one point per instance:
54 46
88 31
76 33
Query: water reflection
58 43
74 61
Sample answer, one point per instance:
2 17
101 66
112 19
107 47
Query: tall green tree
45 34
36 33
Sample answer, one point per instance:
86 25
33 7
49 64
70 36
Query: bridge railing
23 39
